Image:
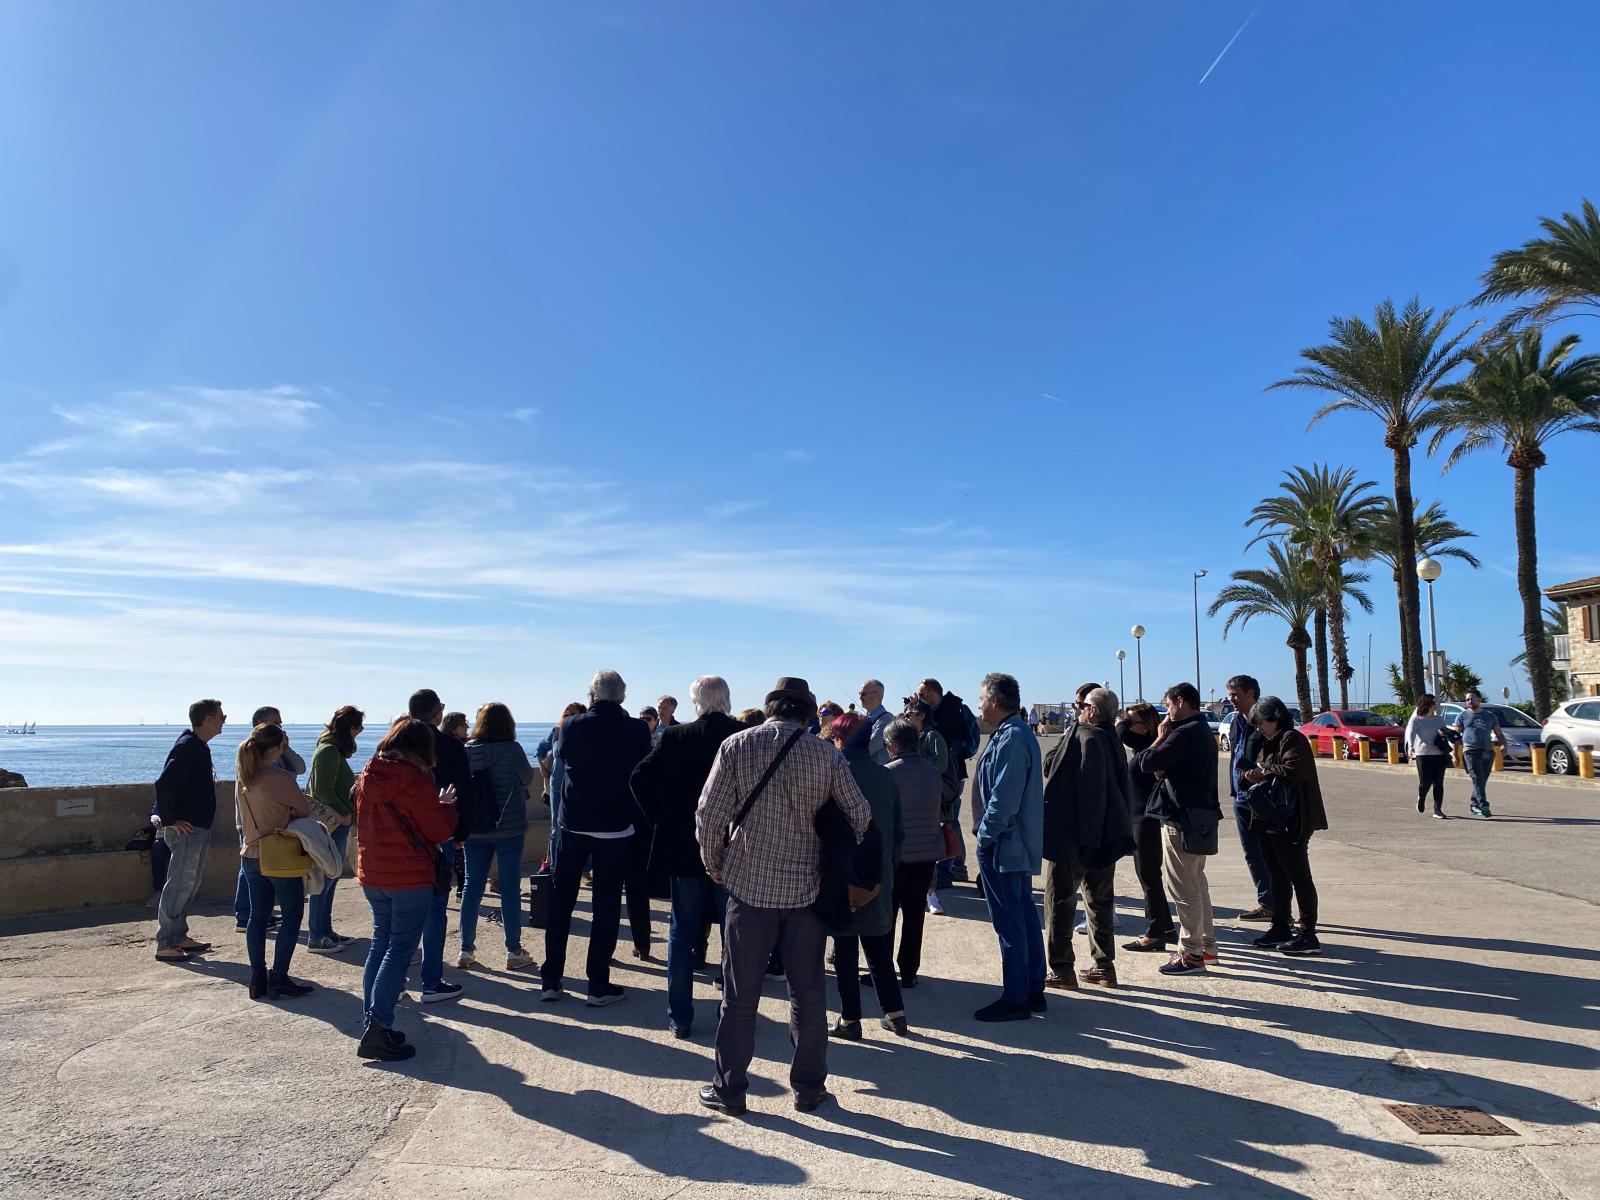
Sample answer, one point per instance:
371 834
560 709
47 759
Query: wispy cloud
733 508
798 456
145 419
523 414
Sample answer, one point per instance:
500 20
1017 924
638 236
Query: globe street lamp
1195 579
1122 679
1138 655
1428 570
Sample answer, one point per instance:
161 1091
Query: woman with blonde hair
329 783
268 801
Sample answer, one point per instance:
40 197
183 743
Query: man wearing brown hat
758 840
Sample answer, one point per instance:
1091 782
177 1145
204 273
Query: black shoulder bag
761 786
443 871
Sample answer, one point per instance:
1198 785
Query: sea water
94 755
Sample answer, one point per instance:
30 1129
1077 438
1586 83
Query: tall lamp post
1122 678
1196 578
1428 570
1138 655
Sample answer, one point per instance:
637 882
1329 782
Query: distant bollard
1461 759
1586 762
1217 738
1539 767
1499 758
1364 749
1392 745
1341 749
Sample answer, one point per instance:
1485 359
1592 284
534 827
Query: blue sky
347 348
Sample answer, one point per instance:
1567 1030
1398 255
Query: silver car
1521 731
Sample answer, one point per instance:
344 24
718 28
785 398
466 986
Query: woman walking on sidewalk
401 817
330 783
1286 754
1425 732
268 801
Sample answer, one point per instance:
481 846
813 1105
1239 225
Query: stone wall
63 849
1585 654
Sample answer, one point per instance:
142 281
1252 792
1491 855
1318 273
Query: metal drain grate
1438 1118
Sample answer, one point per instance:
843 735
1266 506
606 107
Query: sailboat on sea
23 728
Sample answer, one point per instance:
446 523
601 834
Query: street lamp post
1138 655
1428 570
1195 579
1122 678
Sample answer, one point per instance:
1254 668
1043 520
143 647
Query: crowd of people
788 826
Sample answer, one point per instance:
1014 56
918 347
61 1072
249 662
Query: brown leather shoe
1062 983
1105 976
1260 913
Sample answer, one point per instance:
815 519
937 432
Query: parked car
1573 724
1227 719
1353 725
1522 731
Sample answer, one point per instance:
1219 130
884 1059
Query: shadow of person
673 1144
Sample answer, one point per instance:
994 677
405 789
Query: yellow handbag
283 856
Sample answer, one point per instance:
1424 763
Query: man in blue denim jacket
1009 791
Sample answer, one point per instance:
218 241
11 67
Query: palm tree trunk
1341 653
1302 677
1532 602
1410 596
1322 660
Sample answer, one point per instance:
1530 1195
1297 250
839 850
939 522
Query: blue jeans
1254 858
265 890
320 921
397 919
1480 763
184 873
1016 923
693 896
508 851
433 931
241 898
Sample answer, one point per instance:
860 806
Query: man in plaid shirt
769 868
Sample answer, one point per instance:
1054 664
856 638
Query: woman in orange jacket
401 817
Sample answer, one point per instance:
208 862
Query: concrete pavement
1461 968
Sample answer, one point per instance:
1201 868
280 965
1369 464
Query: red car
1353 724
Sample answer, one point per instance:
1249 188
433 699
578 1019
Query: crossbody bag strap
761 786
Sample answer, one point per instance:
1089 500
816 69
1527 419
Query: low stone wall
62 848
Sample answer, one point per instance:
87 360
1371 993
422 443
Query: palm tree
1288 590
1389 369
1324 676
1436 535
1327 514
1520 396
1555 624
1562 269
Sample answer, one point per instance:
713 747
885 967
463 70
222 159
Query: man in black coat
186 805
599 817
667 785
1087 828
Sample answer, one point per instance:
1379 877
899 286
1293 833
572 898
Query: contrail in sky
1229 46
1048 396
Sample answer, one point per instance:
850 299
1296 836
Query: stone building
1581 598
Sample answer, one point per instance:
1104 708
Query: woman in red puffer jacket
401 817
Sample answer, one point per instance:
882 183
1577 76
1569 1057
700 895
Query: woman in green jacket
330 783
872 926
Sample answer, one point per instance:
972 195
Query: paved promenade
1461 968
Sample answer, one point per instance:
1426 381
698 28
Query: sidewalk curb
1499 777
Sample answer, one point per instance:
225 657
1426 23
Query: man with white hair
667 785
872 705
599 750
1088 825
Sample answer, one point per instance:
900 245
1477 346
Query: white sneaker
933 904
467 961
518 960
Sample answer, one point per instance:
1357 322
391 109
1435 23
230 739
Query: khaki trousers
1185 876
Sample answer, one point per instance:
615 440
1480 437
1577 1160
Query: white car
1519 729
1574 723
